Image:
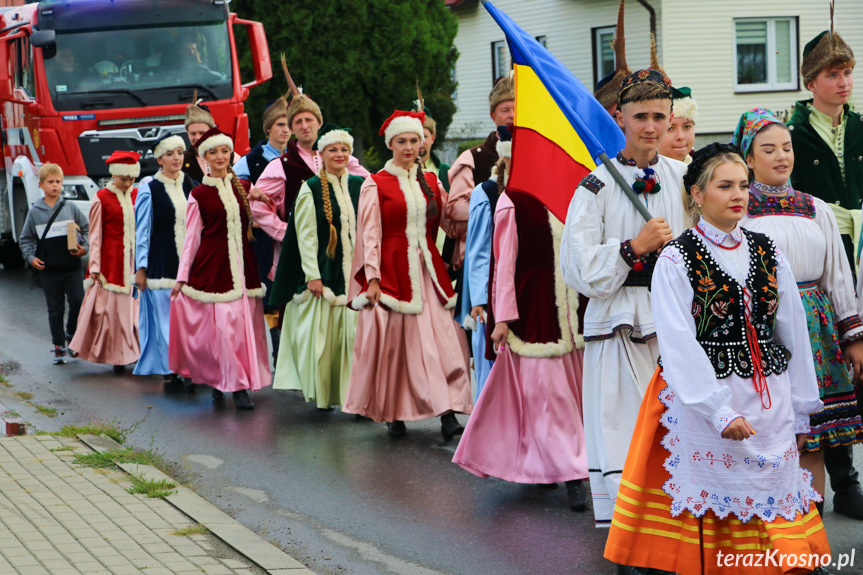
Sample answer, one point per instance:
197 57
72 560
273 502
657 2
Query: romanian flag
560 128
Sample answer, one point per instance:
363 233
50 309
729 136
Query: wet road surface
335 492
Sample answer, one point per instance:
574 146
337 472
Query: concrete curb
243 540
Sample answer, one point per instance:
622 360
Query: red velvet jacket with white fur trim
395 240
112 239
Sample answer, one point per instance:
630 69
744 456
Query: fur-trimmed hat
402 122
503 91
606 89
212 138
276 110
826 50
123 163
332 134
195 114
299 102
684 104
166 144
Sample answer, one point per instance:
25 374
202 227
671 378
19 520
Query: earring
699 207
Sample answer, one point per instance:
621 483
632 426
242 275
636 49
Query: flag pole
627 189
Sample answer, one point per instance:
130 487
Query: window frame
772 85
494 61
595 47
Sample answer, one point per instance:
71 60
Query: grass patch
23 395
64 448
192 530
4 382
150 487
109 459
12 413
98 428
48 411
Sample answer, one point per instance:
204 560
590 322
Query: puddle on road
371 552
207 461
256 495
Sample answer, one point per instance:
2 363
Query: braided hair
328 212
238 187
432 209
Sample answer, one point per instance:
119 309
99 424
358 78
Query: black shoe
326 409
242 400
630 570
119 369
397 428
820 508
59 355
547 485
843 479
576 494
218 395
449 426
69 352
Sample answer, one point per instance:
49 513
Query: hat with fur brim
166 144
195 114
123 163
275 111
212 138
826 50
684 104
402 122
503 91
299 102
504 141
332 134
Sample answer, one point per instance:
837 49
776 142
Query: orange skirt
644 533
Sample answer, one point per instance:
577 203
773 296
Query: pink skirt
408 366
107 327
527 425
222 345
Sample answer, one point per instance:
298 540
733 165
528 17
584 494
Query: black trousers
60 287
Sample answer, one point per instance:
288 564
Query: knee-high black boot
848 500
275 337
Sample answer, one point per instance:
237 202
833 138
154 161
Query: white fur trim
87 283
133 170
566 302
212 142
347 221
168 144
469 323
333 299
403 125
174 189
235 249
125 199
161 283
336 137
504 149
687 108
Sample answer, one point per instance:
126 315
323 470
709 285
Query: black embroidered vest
163 258
718 306
256 162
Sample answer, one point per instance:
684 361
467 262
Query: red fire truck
82 78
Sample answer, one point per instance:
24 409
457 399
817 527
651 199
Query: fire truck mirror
47 40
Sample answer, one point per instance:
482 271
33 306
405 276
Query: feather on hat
299 102
826 50
606 89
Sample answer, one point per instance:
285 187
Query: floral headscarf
750 124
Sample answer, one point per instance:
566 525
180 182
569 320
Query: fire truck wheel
10 256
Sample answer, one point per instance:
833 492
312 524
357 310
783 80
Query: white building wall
698 43
567 26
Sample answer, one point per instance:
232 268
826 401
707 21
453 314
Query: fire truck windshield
138 67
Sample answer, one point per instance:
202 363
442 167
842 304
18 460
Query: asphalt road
335 492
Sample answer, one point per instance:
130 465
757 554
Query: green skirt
838 423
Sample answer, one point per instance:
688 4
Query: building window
500 64
543 40
603 52
765 54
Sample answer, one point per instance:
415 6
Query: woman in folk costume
217 317
108 322
713 469
312 278
680 137
407 362
805 229
160 229
477 256
527 424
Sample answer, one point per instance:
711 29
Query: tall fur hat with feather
299 102
826 50
606 89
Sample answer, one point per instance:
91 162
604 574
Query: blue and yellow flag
560 128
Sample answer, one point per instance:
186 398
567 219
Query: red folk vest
549 323
407 243
214 275
118 238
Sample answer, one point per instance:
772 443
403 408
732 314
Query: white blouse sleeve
591 263
791 331
836 279
685 366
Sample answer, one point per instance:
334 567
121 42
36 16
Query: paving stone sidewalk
60 518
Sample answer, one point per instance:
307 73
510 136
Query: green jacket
305 245
442 171
816 168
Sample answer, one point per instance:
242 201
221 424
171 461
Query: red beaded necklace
724 247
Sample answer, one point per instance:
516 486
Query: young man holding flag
608 253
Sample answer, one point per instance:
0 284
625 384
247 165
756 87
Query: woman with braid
407 362
312 276
217 335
